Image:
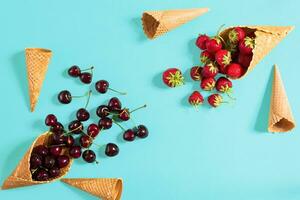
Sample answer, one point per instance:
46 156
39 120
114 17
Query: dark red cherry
69 140
57 138
57 128
105 123
54 172
75 151
50 120
129 135
124 114
102 111
64 97
35 161
74 71
75 127
86 77
63 161
55 150
41 175
114 104
41 150
142 131
111 149
82 114
93 130
85 141
49 162
102 86
89 156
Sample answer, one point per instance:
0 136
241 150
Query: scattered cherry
142 131
41 150
55 150
93 130
105 123
89 156
111 149
102 111
124 114
82 114
74 71
57 128
69 140
102 86
129 135
85 141
75 127
50 120
64 97
86 77
63 161
75 151
35 161
41 175
114 104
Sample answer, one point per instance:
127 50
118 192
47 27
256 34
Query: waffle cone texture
103 188
37 60
21 176
280 117
266 38
157 23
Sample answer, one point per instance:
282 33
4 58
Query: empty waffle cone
37 61
104 188
21 176
280 118
266 38
156 23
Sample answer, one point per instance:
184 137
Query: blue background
212 154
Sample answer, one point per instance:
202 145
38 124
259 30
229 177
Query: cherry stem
88 98
121 93
88 69
144 106
71 131
91 138
82 95
57 145
118 124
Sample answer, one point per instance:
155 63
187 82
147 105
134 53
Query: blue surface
213 154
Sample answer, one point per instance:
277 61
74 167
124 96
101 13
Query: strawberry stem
220 29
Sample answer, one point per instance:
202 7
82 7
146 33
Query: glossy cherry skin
124 115
85 141
57 128
50 120
129 135
57 138
111 149
86 77
35 161
89 156
103 111
75 151
82 114
142 131
93 130
63 161
41 150
49 162
41 175
105 123
102 86
64 97
75 127
74 71
69 140
55 150
114 104
54 172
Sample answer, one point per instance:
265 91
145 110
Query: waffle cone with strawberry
104 188
22 175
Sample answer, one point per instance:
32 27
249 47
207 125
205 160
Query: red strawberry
222 69
215 100
245 60
172 77
196 73
224 85
213 45
209 70
223 57
234 71
206 57
236 35
196 98
201 41
208 84
246 45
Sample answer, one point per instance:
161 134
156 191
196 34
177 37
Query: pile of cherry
223 59
47 161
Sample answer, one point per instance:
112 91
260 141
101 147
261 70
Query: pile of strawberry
223 59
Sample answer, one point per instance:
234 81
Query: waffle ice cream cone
21 176
266 38
104 188
280 117
156 23
37 61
